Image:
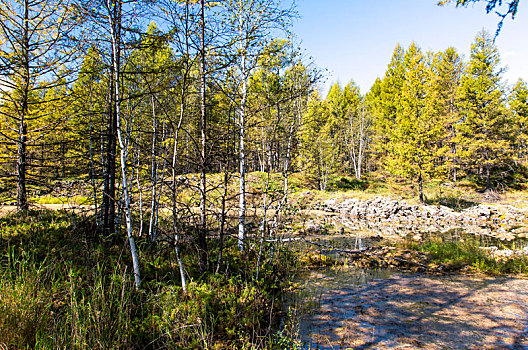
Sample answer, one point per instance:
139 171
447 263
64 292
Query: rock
312 227
417 237
330 205
399 215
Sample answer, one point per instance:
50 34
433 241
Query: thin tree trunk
22 202
183 105
488 180
420 187
109 191
161 181
285 196
222 220
362 142
154 174
100 219
453 135
138 182
173 180
116 48
202 234
92 163
263 224
242 150
242 189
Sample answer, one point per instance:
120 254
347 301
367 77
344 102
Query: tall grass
63 287
467 254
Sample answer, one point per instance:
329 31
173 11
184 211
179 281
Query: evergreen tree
342 104
481 133
318 153
447 70
35 54
519 120
384 97
416 133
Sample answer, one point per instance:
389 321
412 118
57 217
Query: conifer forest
172 176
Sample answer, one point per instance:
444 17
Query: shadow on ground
420 312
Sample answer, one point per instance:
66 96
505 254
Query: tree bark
22 202
242 189
109 187
202 232
115 22
154 175
420 188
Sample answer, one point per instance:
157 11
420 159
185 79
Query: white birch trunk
154 175
115 33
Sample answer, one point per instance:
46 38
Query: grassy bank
63 286
467 254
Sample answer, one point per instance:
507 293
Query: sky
355 39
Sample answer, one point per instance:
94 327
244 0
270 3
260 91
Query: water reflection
334 295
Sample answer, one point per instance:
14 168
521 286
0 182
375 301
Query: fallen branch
342 251
371 252
283 240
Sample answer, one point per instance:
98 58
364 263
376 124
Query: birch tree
252 21
114 22
357 132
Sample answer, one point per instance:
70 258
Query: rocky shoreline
397 217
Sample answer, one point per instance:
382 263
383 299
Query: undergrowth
467 254
64 287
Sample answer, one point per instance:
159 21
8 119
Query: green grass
64 287
345 183
76 200
466 254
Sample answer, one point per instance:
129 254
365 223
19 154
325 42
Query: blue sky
355 39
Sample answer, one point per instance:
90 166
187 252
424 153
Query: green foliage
518 120
435 117
447 69
221 313
260 179
332 133
340 183
318 154
383 99
482 134
75 297
79 200
407 116
62 286
466 253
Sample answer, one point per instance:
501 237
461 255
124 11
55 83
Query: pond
384 309
354 308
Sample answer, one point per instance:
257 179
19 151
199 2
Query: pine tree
318 154
447 70
481 134
519 120
416 132
34 58
384 97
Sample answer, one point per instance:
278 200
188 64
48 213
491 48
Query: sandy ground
5 209
418 312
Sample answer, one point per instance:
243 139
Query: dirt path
417 312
